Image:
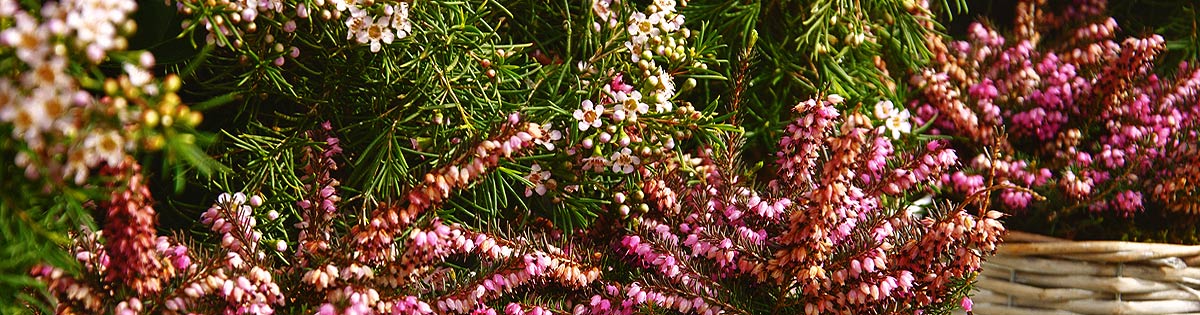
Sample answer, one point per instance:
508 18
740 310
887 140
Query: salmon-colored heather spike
130 232
374 240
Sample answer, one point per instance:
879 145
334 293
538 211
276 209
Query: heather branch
374 240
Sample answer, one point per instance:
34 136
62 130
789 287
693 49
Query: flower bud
150 118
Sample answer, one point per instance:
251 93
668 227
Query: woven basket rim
1037 274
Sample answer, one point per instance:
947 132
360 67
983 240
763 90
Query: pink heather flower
1128 202
618 85
327 309
589 115
624 161
967 304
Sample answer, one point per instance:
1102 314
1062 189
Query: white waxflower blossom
356 23
400 21
343 5
641 27
602 8
26 36
25 121
137 76
537 177
107 146
376 31
885 109
589 115
899 123
665 83
49 73
595 163
554 135
624 161
631 103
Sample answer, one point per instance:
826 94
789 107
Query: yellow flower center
54 108
375 31
108 144
645 26
46 73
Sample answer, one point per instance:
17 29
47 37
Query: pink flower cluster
319 209
1089 121
800 146
233 219
239 278
825 233
629 299
837 243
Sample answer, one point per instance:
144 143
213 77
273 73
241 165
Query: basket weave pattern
1033 274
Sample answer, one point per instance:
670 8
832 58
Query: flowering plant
828 241
1084 120
482 157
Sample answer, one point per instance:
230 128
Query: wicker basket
1033 274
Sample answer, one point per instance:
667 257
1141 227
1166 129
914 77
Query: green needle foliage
405 109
